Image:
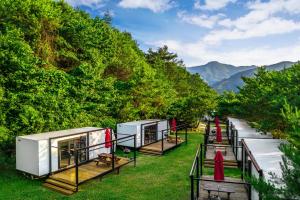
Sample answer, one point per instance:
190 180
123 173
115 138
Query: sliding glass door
66 151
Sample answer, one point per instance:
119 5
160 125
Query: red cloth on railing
219 167
219 134
217 121
107 138
173 125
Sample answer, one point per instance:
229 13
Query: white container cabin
246 132
33 152
146 131
266 156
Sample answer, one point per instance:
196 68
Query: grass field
154 178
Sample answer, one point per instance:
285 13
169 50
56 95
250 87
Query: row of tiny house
258 153
45 153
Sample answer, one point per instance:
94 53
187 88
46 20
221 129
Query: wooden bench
172 139
217 188
106 159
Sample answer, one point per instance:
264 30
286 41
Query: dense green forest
270 101
60 68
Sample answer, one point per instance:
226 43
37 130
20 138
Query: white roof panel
245 131
52 134
267 154
135 123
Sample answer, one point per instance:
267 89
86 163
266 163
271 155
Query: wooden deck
210 153
155 148
87 171
238 187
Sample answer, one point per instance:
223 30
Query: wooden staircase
59 185
227 163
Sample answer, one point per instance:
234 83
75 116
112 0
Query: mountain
214 71
235 81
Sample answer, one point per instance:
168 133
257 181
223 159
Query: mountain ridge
224 77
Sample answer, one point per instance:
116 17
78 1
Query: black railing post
201 161
76 169
192 187
113 155
186 135
260 178
50 156
242 163
197 176
236 147
162 141
134 151
176 136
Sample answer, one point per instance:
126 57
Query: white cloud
93 4
212 4
266 27
153 5
262 20
197 53
201 20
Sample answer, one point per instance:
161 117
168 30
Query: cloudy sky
239 32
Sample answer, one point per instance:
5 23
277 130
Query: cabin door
66 153
150 134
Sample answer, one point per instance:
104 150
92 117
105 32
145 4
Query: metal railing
195 173
112 152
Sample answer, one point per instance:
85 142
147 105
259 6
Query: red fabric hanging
107 138
219 134
173 125
217 121
219 167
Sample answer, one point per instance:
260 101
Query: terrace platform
240 192
65 181
156 148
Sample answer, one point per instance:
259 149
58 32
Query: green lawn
165 177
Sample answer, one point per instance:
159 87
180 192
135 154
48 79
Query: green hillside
60 68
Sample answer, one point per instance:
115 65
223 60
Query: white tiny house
265 157
43 153
146 131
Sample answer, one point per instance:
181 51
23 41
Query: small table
217 188
222 149
106 158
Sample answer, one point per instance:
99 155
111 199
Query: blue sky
239 32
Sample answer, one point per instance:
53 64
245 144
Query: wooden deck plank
87 171
157 145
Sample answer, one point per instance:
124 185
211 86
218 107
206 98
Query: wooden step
61 184
63 180
225 166
150 152
58 189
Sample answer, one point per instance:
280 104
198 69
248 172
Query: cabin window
66 151
150 132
